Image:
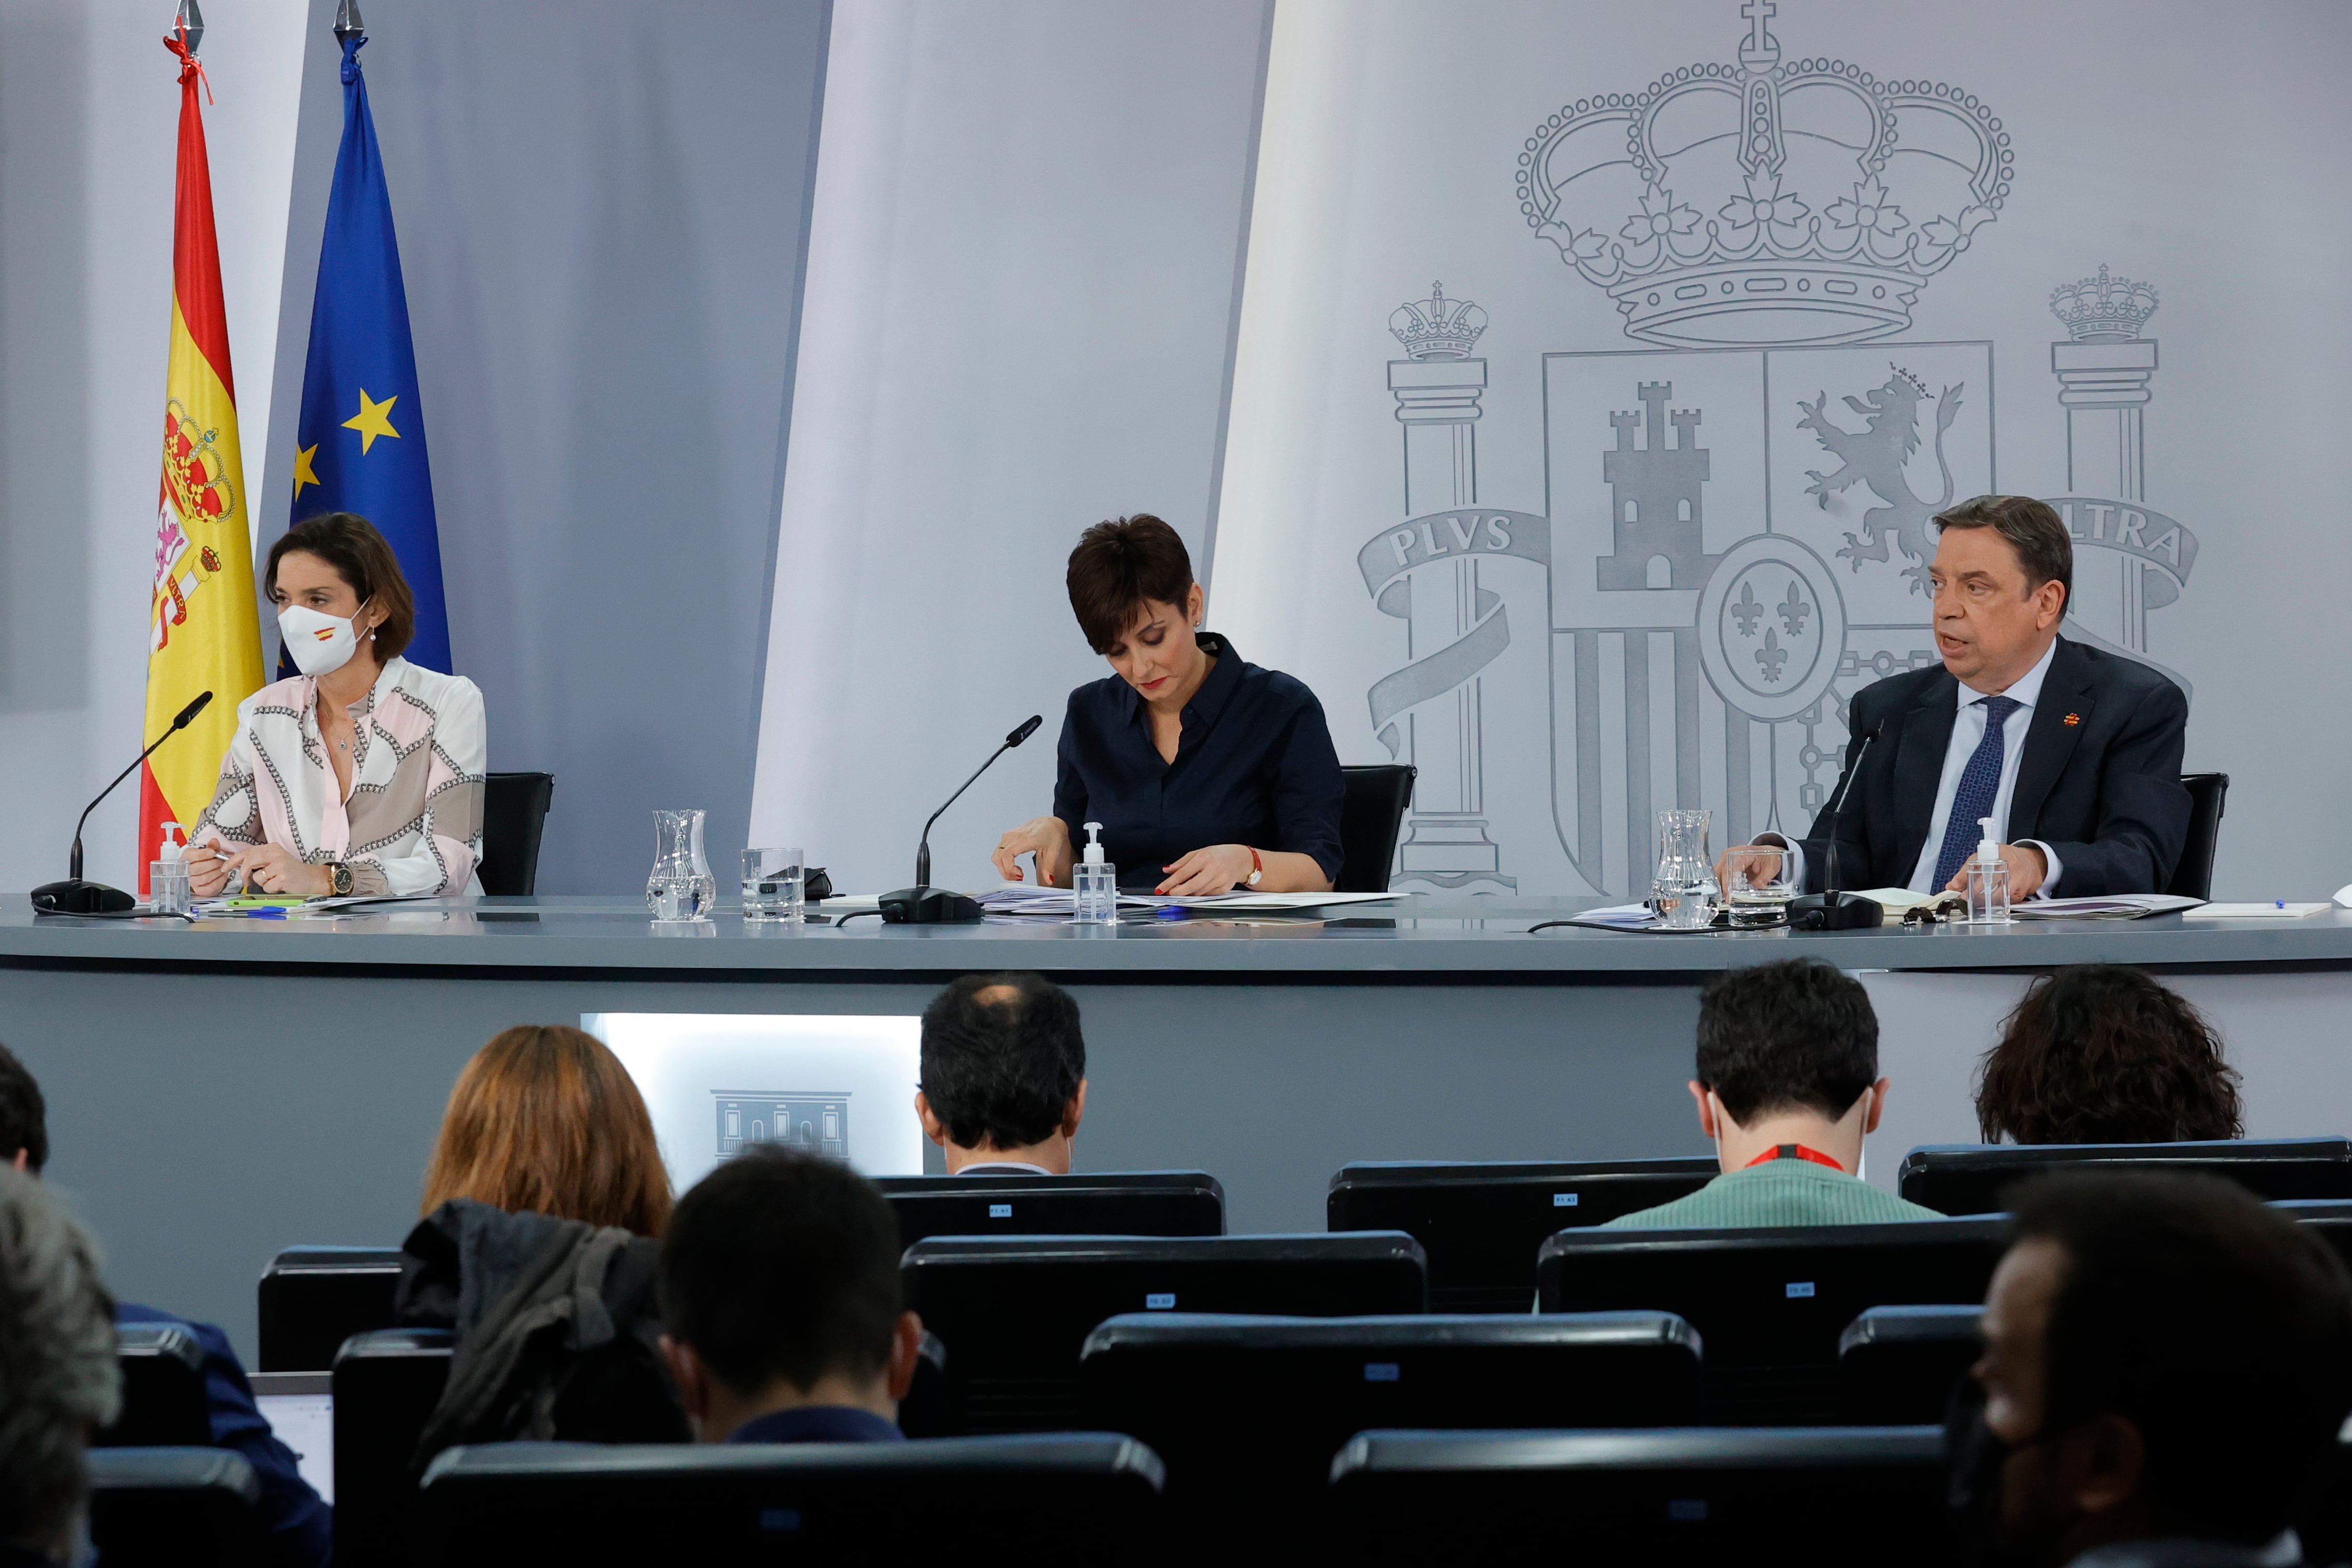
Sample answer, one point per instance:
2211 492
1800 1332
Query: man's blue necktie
1979 784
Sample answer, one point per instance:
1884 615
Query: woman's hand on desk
274 868
207 871
1049 838
1219 868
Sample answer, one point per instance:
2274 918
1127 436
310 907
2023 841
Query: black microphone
1832 910
923 905
75 896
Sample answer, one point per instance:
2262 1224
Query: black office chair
1372 814
503 1503
1014 1311
514 813
312 1298
1897 1365
386 1384
2193 876
1698 1496
1119 1203
2329 1218
1770 1304
164 1400
174 1508
1481 1224
1246 1412
1969 1178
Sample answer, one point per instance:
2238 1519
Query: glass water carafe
1684 889
681 887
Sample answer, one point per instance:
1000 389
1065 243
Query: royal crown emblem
2103 309
1766 202
1438 328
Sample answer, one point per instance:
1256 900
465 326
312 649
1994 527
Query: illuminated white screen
840 1084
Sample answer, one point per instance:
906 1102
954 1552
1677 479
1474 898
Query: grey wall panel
601 210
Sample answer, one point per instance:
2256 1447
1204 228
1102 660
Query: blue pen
265 915
1170 912
2281 902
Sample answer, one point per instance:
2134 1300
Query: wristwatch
339 879
1257 868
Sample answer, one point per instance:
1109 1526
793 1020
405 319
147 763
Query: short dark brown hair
24 1115
2100 1053
361 558
1117 566
1793 1032
1001 1071
2214 1323
2033 531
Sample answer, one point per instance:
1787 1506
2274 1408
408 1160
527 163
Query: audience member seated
2166 1364
542 1200
298 1526
1787 1087
1004 1075
780 1285
2102 1055
59 1382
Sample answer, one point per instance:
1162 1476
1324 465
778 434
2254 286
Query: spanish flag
203 633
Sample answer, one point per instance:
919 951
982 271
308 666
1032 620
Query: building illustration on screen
1737 522
817 1122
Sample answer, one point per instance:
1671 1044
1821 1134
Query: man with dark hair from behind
1003 1075
779 1288
2166 1364
297 1527
1787 1087
59 1382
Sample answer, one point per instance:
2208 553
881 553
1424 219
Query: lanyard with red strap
1794 1152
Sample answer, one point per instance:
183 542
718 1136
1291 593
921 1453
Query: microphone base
927 906
1834 912
76 896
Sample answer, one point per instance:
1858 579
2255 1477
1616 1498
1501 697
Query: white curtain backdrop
1020 284
1556 691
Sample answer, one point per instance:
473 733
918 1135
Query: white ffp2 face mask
319 643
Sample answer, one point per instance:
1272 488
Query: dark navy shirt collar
818 1423
1215 692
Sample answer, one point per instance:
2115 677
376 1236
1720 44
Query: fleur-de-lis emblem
1773 657
1747 609
1794 611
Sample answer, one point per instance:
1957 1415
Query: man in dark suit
2074 753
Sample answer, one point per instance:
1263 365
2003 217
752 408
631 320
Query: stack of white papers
2122 906
2276 909
1028 898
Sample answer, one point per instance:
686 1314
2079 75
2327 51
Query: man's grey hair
57 1376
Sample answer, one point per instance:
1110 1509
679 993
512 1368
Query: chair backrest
1969 1178
1118 1203
1896 1365
1246 1412
164 1400
1770 1304
514 813
2329 1218
174 1508
1481 1224
1014 1311
1682 1496
386 1384
503 1503
2192 877
312 1298
1371 816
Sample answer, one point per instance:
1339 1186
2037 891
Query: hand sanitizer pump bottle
1094 881
1987 879
167 874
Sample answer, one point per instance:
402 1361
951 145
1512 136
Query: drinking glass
1758 892
1684 890
774 884
680 886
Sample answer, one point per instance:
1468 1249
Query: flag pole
347 21
189 22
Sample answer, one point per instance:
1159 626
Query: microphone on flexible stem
1832 910
923 905
75 896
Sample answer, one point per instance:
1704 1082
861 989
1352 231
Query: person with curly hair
2101 1053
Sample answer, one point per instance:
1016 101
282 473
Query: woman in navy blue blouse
1206 773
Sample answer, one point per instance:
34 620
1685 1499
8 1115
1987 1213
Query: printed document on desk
1028 898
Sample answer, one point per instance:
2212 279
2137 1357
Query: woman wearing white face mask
364 774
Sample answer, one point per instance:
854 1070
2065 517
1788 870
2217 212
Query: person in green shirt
1787 1087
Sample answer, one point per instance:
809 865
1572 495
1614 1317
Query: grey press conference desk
219 1090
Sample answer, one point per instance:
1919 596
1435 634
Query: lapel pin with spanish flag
2074 718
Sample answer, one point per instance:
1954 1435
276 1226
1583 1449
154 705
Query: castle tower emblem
1766 201
1656 499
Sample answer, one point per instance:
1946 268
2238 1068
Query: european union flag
360 447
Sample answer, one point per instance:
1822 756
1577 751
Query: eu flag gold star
373 420
303 472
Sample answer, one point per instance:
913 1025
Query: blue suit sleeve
1069 785
2143 806
1309 790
